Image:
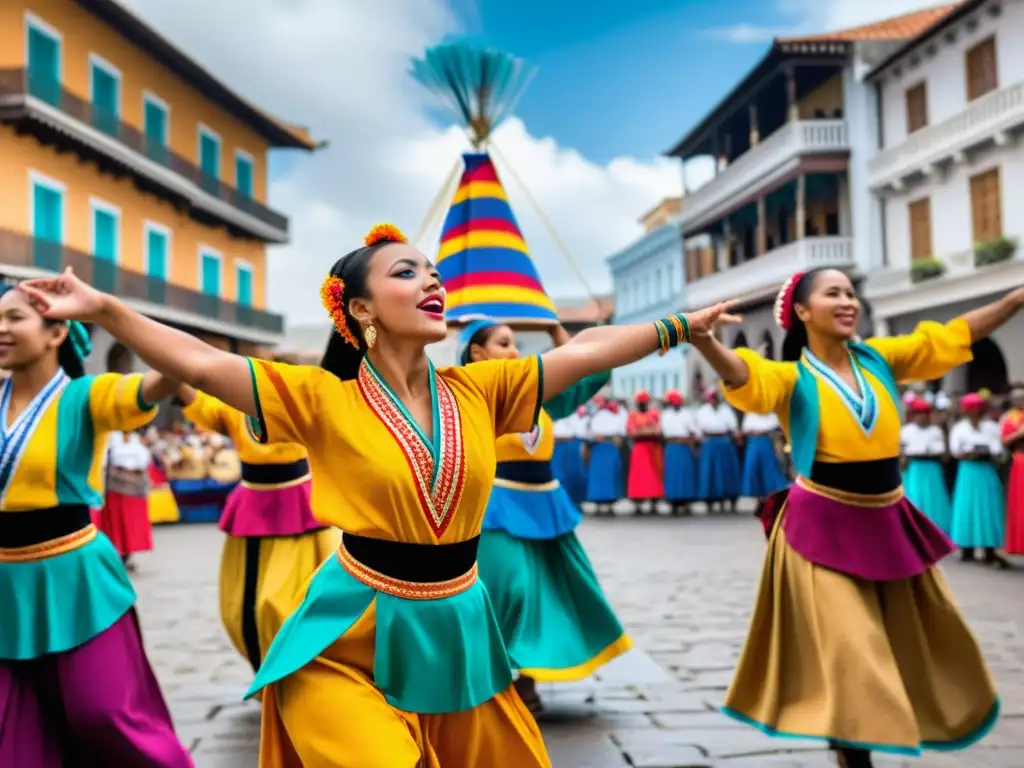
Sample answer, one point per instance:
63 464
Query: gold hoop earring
370 334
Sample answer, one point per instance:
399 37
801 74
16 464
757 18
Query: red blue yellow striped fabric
483 260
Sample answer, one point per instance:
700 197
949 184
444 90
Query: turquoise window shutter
105 228
44 66
244 287
209 155
156 124
211 275
156 243
243 175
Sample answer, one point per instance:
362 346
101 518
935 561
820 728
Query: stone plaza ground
683 587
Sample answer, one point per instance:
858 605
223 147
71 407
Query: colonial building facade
791 146
124 159
950 176
648 285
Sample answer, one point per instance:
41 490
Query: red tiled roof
897 28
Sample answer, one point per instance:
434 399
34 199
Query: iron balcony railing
20 82
19 250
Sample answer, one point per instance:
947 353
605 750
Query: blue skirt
604 475
761 473
719 469
924 483
567 464
555 620
530 513
680 473
979 506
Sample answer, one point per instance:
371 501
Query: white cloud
341 67
803 17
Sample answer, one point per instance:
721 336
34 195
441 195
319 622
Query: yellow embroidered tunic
52 558
377 474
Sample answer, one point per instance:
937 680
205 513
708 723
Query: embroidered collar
438 464
862 402
16 436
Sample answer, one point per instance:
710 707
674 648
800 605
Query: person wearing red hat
924 446
979 502
1012 438
854 639
646 464
719 459
679 429
604 467
762 475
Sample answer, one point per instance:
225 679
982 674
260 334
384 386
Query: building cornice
655 243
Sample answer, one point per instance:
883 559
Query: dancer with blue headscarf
553 615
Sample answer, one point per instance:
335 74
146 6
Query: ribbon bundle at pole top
483 259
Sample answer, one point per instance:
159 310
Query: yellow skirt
253 570
163 508
361 730
888 666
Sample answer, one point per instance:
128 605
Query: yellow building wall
19 155
85 34
827 97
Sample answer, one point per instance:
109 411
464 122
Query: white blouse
604 423
128 452
564 429
965 438
763 423
718 421
678 423
922 441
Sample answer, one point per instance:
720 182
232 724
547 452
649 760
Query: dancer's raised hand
703 321
64 297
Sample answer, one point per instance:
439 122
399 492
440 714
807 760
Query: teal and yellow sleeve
565 403
512 389
289 405
116 403
767 387
207 412
930 352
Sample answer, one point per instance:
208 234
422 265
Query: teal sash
805 411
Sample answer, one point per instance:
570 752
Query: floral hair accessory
784 301
385 233
332 294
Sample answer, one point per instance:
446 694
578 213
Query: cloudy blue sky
617 83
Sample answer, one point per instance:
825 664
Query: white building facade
791 146
950 175
647 279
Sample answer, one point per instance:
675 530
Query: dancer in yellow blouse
855 638
274 543
75 684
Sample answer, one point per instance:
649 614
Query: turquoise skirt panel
430 656
924 483
531 514
435 656
61 602
550 606
979 506
334 601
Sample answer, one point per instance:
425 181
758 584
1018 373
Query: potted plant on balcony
926 269
994 251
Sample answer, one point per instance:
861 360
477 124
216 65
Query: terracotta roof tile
897 28
594 310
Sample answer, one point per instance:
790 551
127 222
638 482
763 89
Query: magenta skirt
97 704
879 538
255 511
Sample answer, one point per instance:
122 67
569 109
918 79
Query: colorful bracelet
672 331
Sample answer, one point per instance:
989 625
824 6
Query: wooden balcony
47 104
32 256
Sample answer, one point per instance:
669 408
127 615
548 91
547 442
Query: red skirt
646 471
1015 507
125 520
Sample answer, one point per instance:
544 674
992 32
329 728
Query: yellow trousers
329 714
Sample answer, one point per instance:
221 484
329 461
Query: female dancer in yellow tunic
855 638
393 657
553 615
274 543
75 685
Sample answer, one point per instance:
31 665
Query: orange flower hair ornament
385 233
332 292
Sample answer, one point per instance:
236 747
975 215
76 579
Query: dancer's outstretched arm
610 346
176 354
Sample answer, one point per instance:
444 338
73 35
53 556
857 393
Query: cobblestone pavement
683 588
